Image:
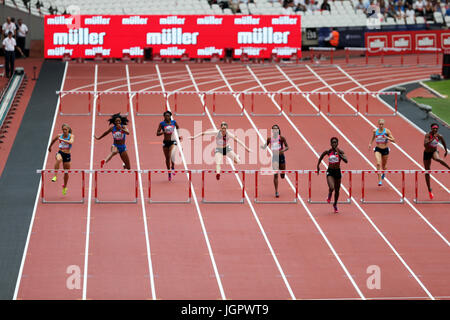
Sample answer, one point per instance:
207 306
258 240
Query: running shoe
329 198
124 166
102 163
277 195
218 176
64 190
335 209
170 176
54 179
380 183
431 195
382 176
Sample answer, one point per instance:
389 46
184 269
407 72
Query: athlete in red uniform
279 146
335 155
431 142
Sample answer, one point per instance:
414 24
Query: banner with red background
408 41
171 36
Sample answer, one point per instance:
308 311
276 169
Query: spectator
325 6
410 12
300 6
429 12
9 26
383 9
360 6
400 10
310 6
391 13
9 45
22 31
419 7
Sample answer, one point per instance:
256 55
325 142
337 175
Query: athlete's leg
57 163
438 159
166 152
125 159
427 166
378 159
330 182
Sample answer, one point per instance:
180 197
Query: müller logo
172 51
172 36
209 51
78 36
97 20
59 51
209 20
134 20
246 20
134 51
59 20
94 51
263 35
171 20
284 20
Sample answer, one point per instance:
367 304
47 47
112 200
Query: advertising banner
408 41
171 36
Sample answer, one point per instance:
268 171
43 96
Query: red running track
235 251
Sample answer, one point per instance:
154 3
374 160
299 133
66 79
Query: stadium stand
343 13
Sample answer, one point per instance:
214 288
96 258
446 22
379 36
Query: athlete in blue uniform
167 128
65 145
119 132
382 136
279 146
334 175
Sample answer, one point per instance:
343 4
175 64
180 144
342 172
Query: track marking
352 198
91 163
280 269
194 196
373 126
33 216
316 224
373 166
144 213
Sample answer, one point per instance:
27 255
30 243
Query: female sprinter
335 155
279 146
382 136
431 142
167 128
65 144
222 147
119 132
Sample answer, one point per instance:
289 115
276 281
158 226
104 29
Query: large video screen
171 36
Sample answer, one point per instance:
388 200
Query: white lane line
33 216
316 224
374 127
194 197
255 215
144 213
373 166
91 164
359 207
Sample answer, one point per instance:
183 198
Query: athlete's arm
51 143
286 147
125 129
239 141
444 144
159 131
320 160
266 144
371 140
427 140
104 134
203 133
390 136
342 155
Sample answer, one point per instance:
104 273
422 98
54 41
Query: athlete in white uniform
222 148
382 136
64 155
